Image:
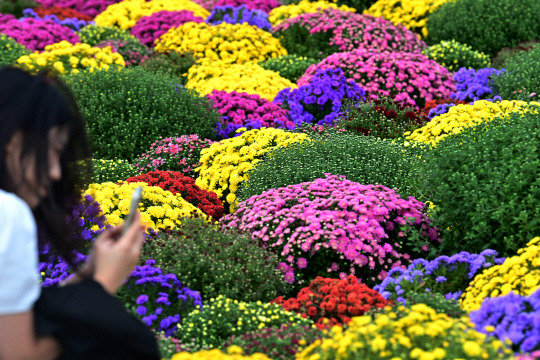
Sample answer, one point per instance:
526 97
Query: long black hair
34 104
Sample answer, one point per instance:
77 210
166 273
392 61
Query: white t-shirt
19 276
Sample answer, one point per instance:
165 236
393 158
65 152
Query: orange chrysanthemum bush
331 302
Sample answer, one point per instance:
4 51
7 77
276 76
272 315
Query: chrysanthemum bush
409 77
11 50
149 28
264 5
16 7
280 343
366 160
447 275
384 118
291 67
505 54
519 274
454 55
487 26
36 34
126 13
125 111
216 262
335 225
6 17
321 34
320 99
513 317
180 153
230 43
522 74
72 23
159 208
248 78
157 298
281 13
61 13
133 51
413 15
239 14
462 116
472 85
88 7
94 34
329 302
416 333
235 353
65 58
112 170
171 64
179 184
223 317
225 164
433 104
241 110
484 182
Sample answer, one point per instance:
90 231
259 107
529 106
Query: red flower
61 13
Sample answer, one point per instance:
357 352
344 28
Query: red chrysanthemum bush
88 7
178 183
331 302
433 104
61 13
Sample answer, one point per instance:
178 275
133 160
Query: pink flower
302 263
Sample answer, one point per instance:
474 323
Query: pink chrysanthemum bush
149 28
409 78
264 5
242 110
318 35
36 34
333 224
87 7
6 17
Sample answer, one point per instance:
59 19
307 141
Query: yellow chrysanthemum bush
416 333
411 14
519 274
277 15
159 208
233 353
249 78
462 116
230 43
126 13
66 58
226 163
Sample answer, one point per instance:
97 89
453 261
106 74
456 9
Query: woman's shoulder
15 210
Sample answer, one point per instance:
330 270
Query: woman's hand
114 256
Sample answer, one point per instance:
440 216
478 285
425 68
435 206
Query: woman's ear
14 142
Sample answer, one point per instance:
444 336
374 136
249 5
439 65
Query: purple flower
238 15
440 279
142 299
141 310
472 85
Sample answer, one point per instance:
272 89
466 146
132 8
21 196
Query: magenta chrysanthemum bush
337 31
207 4
88 7
264 5
244 110
6 17
36 34
334 225
149 28
410 78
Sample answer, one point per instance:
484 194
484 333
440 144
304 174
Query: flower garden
346 179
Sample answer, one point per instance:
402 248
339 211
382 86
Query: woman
44 162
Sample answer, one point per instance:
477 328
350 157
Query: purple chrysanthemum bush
36 34
409 77
240 110
149 28
264 5
334 225
336 31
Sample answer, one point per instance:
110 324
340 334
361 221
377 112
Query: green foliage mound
16 7
366 160
522 76
486 185
172 64
454 55
112 170
94 34
127 109
214 262
11 50
486 25
291 67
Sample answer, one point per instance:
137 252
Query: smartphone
135 199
